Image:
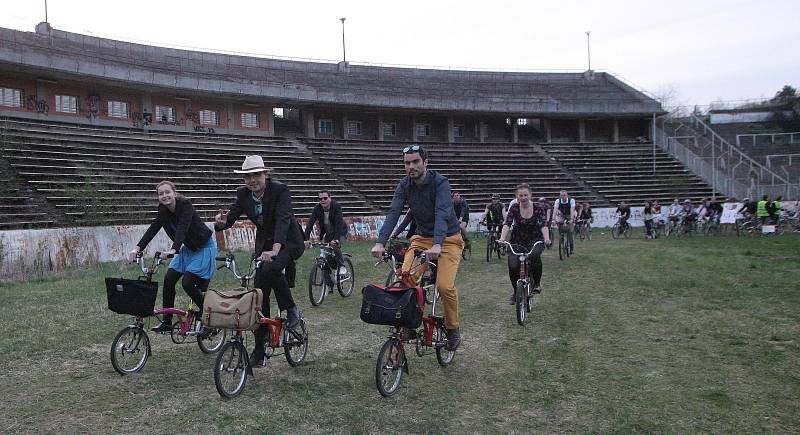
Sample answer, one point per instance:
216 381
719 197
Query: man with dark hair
427 194
330 222
494 214
279 240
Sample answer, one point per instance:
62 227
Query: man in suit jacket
279 240
332 229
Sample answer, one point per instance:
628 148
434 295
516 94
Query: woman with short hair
193 246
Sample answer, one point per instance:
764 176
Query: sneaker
453 339
343 273
163 327
292 318
537 289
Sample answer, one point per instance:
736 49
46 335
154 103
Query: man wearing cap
279 239
427 194
494 214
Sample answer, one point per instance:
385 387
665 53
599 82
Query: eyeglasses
411 149
324 198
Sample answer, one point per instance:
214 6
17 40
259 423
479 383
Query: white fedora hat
252 164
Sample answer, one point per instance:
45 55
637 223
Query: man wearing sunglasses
279 240
330 222
427 195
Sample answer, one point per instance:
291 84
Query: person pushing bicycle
526 221
427 194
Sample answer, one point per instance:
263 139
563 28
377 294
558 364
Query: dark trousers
270 277
193 285
534 266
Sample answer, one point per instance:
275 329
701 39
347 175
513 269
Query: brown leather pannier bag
232 309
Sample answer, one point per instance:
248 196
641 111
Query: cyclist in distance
193 246
461 208
494 214
526 222
438 233
623 214
279 240
565 215
330 222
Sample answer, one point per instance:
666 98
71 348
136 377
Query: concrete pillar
309 125
188 125
230 116
483 131
548 131
514 130
581 130
269 123
345 134
451 126
380 127
615 134
414 128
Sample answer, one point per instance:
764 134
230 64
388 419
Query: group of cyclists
435 223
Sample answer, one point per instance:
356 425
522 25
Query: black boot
165 325
257 356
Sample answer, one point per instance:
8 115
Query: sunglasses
324 198
411 149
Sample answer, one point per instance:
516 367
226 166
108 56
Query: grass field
665 336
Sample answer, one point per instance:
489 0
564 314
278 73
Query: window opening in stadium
10 97
354 128
66 103
208 117
278 112
424 129
250 120
458 130
325 126
390 129
165 114
117 109
522 121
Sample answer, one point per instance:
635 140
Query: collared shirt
430 205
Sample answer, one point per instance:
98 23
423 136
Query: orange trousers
447 263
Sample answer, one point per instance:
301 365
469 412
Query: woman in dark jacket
193 245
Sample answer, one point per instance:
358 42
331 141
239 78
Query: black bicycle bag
131 296
392 306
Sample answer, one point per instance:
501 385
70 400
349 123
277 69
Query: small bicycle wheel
295 344
130 350
230 369
627 231
346 282
389 367
490 247
528 298
176 335
562 246
520 299
615 231
466 253
588 230
444 356
317 286
214 341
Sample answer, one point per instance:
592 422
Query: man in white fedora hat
279 239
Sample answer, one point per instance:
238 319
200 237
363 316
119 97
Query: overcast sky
704 50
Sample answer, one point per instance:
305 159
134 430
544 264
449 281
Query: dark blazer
276 224
184 227
337 221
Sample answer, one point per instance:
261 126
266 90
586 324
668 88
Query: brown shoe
453 339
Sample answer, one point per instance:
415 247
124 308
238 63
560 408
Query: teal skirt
201 262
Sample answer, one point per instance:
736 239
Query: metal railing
728 169
771 136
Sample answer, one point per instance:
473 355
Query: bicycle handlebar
230 263
511 247
156 262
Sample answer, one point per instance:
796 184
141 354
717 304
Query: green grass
678 336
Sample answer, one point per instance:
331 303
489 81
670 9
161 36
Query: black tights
193 285
534 266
